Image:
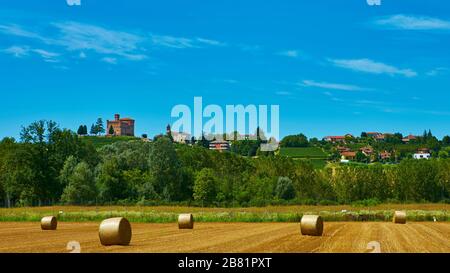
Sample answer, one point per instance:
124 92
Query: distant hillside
307 152
100 141
314 154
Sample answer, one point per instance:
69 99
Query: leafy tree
67 170
81 187
360 157
285 189
446 140
109 181
141 185
99 126
80 130
111 130
165 168
205 186
94 130
299 140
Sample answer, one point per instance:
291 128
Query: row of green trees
50 166
96 128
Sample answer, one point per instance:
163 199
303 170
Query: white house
181 137
422 156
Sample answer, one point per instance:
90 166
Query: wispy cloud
17 30
17 51
182 42
109 60
370 66
45 54
334 86
210 42
76 36
289 53
437 71
283 93
23 51
411 22
81 37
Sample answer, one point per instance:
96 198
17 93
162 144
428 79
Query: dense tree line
50 165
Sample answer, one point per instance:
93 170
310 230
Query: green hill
307 152
100 141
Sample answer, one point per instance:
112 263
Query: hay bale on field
185 221
399 217
311 225
49 223
115 231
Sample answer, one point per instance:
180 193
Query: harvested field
232 238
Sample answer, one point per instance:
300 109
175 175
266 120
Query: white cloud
181 42
283 93
17 30
289 53
17 51
45 54
437 71
369 66
78 36
410 22
210 42
109 60
173 42
334 86
22 51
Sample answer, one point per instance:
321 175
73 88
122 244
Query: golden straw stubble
311 225
115 231
399 217
49 223
185 221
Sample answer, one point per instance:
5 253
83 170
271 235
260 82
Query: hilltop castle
121 126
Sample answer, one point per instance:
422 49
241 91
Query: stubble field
348 237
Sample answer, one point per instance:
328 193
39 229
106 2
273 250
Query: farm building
219 145
348 155
409 138
422 155
385 155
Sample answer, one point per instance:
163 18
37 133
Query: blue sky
332 66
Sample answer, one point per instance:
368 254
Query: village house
422 153
373 134
409 138
334 139
385 155
180 137
219 145
348 155
367 151
120 126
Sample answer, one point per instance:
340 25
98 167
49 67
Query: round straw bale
399 217
185 221
115 231
311 225
49 223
